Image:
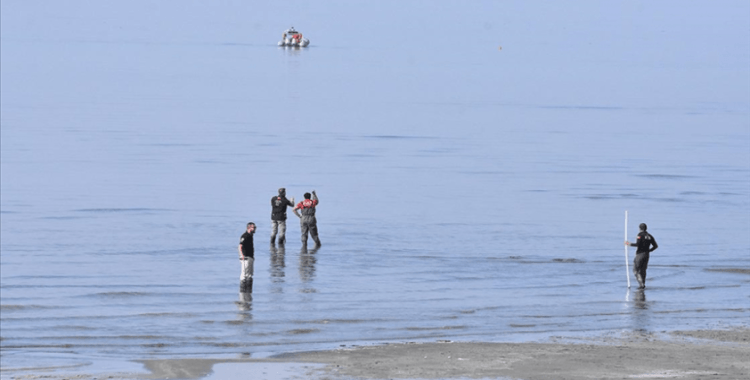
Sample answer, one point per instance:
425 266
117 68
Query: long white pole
627 260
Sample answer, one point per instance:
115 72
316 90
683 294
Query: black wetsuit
640 263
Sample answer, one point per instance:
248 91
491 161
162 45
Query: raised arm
315 197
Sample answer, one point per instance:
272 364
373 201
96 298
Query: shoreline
718 354
699 354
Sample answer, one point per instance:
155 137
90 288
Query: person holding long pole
646 244
627 260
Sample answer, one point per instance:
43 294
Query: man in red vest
308 223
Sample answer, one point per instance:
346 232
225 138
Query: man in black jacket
646 244
279 204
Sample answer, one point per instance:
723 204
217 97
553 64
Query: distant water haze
473 161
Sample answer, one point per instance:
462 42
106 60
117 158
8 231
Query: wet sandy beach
700 354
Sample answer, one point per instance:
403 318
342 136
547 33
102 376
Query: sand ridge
700 354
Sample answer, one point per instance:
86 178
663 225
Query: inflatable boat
293 38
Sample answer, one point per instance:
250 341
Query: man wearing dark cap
279 204
646 244
308 223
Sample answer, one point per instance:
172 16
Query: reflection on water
245 307
277 256
307 261
278 263
639 299
640 315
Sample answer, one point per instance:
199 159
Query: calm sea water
474 163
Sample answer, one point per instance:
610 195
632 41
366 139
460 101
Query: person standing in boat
289 33
279 204
308 223
646 244
247 259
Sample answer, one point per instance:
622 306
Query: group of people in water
305 210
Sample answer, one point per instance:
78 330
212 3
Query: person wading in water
279 204
646 244
247 259
307 222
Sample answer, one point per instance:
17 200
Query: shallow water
467 192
